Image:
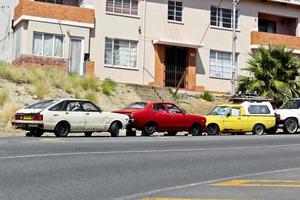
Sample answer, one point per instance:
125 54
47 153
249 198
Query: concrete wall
6 33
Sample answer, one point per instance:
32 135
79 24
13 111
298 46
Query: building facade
150 42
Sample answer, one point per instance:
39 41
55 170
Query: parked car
68 115
289 116
254 117
151 117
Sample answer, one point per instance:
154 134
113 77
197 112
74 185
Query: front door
94 118
176 64
76 56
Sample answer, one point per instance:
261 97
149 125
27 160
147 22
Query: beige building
151 42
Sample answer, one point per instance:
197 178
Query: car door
177 117
94 118
74 115
160 115
233 121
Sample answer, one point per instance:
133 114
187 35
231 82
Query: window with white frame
127 7
47 45
220 64
175 8
222 17
120 53
53 1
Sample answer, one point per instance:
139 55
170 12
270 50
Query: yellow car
258 118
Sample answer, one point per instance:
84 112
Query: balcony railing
54 11
262 38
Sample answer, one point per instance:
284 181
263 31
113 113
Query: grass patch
207 96
92 96
41 89
7 114
108 86
4 96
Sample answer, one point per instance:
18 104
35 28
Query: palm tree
273 72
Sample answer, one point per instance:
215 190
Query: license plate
27 117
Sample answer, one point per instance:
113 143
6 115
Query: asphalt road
154 168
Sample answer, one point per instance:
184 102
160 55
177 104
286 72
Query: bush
4 96
89 83
92 96
108 86
7 113
41 89
207 96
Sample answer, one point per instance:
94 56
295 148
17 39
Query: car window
159 107
173 109
59 107
74 106
235 112
291 104
41 104
137 105
258 109
89 107
220 111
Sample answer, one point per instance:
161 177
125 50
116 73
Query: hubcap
292 126
259 130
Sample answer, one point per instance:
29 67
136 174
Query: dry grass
42 89
92 96
7 113
4 96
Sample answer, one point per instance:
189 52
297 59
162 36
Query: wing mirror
228 114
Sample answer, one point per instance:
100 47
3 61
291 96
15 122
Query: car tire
271 131
62 129
88 134
29 134
36 132
130 133
114 129
258 129
195 130
149 129
212 129
290 126
172 133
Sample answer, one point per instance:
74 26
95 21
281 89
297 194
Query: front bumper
27 125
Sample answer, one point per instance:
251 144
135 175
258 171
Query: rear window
258 109
138 105
41 104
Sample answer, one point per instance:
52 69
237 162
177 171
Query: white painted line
145 194
143 151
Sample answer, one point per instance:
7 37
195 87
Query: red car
151 117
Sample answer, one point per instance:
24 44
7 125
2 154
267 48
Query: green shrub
42 88
92 96
108 86
4 96
207 96
89 83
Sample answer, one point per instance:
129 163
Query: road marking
52 140
144 194
259 183
144 151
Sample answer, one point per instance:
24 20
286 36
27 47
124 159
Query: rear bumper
27 125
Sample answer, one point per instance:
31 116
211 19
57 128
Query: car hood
29 111
127 111
285 113
116 115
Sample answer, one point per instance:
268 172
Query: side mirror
228 114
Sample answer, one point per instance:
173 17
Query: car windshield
220 111
138 105
291 104
41 104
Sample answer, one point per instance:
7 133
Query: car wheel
290 126
172 133
272 130
36 132
212 129
195 130
149 129
114 129
258 129
29 134
130 133
88 134
62 129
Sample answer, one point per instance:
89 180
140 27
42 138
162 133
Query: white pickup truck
289 116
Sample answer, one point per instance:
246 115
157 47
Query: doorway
76 56
175 65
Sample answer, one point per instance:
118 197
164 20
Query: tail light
37 117
17 117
